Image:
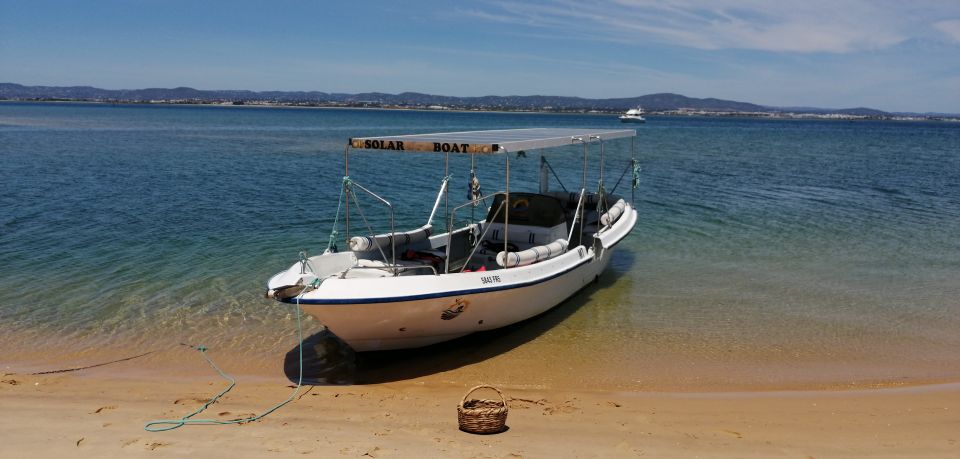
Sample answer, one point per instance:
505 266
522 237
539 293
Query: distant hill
859 111
652 102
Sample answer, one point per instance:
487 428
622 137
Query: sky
890 55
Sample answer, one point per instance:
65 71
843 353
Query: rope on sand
92 366
170 424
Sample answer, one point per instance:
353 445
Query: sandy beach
101 412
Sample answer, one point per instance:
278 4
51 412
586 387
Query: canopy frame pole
601 158
444 185
633 164
583 180
393 232
583 185
473 173
446 196
346 173
601 198
483 233
506 215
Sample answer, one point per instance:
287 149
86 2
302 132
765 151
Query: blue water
768 253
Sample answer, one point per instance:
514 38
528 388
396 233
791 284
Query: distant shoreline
373 106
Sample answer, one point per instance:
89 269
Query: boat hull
396 312
409 321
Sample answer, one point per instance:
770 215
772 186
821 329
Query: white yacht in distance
524 253
634 115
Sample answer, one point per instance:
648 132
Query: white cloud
950 27
810 26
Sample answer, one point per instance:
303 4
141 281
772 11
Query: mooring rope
170 424
92 366
332 241
555 175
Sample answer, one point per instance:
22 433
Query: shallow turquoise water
768 252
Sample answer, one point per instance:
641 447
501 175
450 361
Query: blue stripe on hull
427 296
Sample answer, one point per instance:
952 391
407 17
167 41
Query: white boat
405 289
634 115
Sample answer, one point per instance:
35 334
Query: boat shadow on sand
329 361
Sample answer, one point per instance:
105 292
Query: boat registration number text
490 280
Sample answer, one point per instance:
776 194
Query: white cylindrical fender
532 255
613 213
365 243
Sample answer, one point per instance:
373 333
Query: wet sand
403 404
101 411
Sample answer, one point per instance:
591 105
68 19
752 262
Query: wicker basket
482 416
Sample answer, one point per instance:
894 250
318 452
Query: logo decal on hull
459 305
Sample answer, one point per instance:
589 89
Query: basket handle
483 386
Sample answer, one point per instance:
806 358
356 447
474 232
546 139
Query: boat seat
570 199
535 219
524 235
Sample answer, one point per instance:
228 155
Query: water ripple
761 244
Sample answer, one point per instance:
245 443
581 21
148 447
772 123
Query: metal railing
577 216
393 242
453 213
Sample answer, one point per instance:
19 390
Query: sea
769 254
